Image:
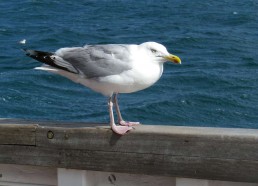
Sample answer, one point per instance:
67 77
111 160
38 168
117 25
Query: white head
159 52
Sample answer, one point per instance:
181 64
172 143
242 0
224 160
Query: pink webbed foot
121 130
128 123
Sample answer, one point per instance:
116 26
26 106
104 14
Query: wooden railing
227 154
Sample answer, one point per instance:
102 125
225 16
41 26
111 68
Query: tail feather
47 58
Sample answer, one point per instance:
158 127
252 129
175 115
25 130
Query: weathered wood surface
24 175
17 134
194 152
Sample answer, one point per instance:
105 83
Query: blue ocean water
216 85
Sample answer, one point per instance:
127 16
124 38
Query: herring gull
109 69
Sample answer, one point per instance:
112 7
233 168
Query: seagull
109 69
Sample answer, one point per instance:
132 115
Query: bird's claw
128 123
121 130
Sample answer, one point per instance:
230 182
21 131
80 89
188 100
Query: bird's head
160 53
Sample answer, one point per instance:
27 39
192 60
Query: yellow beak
173 58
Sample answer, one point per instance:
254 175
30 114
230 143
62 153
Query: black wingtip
24 50
34 52
27 52
45 57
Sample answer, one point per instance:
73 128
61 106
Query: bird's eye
153 50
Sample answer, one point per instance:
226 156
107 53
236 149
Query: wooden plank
194 152
199 182
135 163
166 140
27 175
17 134
29 155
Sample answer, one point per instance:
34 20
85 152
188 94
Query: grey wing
96 60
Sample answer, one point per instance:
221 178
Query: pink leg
117 129
120 119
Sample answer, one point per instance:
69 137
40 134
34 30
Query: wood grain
16 134
193 152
